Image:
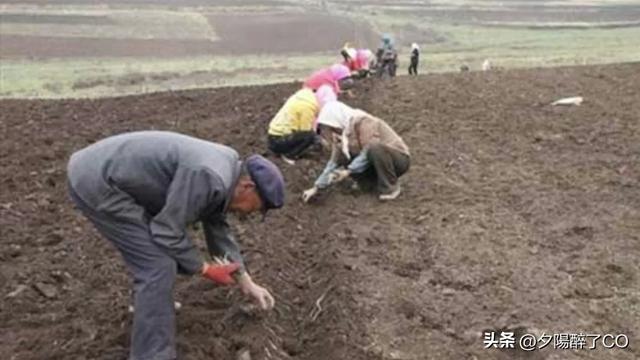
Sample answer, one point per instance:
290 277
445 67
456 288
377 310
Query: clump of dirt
498 227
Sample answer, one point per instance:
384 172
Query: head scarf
325 94
338 115
365 54
364 58
339 72
351 52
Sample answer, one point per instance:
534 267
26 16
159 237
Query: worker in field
415 58
291 131
358 61
141 190
486 65
386 57
364 148
337 76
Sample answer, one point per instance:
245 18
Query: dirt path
514 215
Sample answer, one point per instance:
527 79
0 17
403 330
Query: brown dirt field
540 15
42 47
239 35
304 32
515 214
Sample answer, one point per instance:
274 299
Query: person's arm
323 180
367 133
223 246
336 87
189 194
360 163
220 241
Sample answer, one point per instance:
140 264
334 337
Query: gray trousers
153 272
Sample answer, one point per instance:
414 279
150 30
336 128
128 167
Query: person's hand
339 175
220 273
257 292
309 193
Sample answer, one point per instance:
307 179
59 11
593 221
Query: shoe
392 195
287 160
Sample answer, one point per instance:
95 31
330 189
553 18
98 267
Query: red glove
220 274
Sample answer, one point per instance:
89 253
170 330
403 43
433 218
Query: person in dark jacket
386 57
415 58
141 190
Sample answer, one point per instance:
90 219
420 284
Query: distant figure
387 57
357 60
486 65
349 55
464 68
415 57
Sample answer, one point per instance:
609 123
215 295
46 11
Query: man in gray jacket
141 190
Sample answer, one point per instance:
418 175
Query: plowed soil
246 34
287 33
514 215
535 14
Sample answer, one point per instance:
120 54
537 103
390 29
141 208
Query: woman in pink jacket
337 76
358 61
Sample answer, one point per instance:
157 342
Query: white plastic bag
576 100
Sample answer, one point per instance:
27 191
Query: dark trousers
153 272
293 145
387 165
386 67
413 67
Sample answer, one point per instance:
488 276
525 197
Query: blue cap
268 179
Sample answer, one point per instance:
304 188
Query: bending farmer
365 148
142 189
291 130
337 76
358 61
